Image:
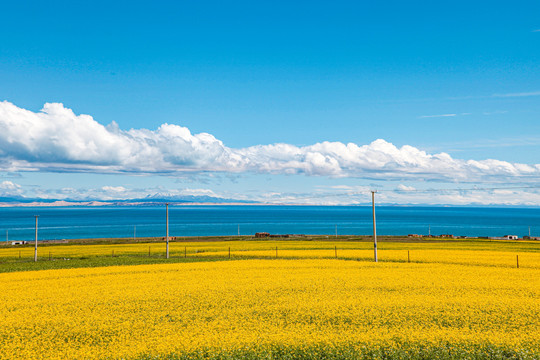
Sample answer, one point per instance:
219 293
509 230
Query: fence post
229 253
185 251
149 251
276 252
49 256
408 256
335 250
517 261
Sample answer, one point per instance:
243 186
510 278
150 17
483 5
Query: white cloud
410 195
8 188
436 116
57 140
530 197
198 192
114 189
402 187
338 187
107 193
496 112
323 195
521 94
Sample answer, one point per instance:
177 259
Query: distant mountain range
160 199
148 200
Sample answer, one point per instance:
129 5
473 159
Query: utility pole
429 231
167 211
238 229
35 250
374 225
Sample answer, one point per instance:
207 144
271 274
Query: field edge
402 351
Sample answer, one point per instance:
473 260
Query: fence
414 253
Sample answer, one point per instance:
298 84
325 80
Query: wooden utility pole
167 236
374 226
35 249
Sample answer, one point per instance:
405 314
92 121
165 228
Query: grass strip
448 351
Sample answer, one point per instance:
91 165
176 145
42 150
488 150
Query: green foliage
113 252
93 261
447 351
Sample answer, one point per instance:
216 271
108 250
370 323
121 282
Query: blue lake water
103 222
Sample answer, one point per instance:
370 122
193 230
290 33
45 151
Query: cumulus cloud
402 194
8 188
402 187
323 195
108 193
55 139
198 192
513 197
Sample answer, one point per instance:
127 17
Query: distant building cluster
450 236
442 236
262 235
24 242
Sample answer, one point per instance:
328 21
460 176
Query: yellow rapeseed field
150 310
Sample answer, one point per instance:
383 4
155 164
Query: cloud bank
8 188
57 140
320 195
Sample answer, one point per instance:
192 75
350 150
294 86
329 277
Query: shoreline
252 238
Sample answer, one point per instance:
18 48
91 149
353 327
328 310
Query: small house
19 242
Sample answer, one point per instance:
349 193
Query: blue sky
461 78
